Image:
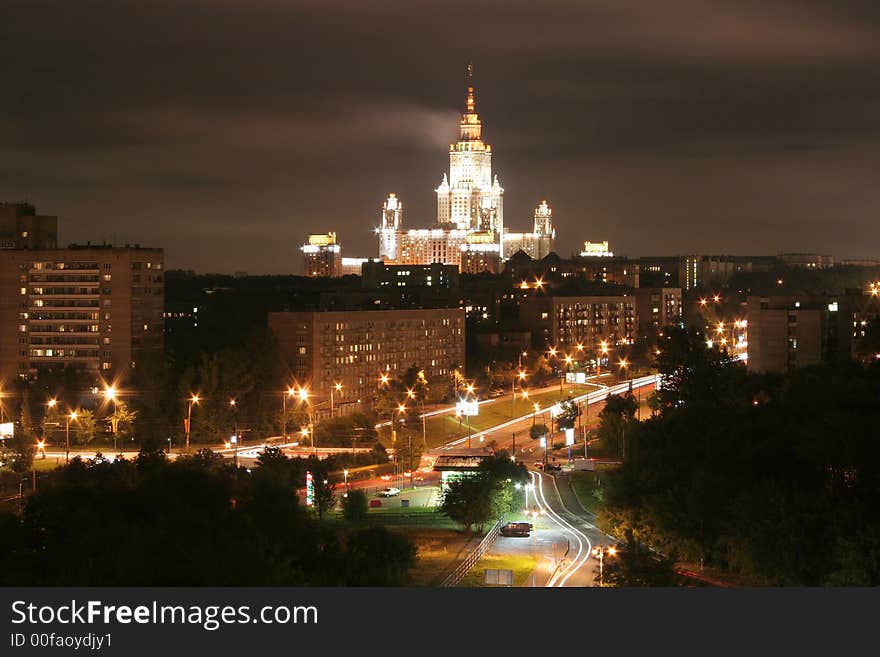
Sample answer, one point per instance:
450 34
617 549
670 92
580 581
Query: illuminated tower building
538 243
322 256
469 231
392 224
470 198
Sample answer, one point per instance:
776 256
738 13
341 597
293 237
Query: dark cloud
226 130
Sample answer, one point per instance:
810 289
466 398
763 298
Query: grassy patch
584 485
439 552
522 566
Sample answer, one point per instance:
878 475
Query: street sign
499 577
569 436
575 377
467 408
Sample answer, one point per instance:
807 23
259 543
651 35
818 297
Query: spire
470 120
470 103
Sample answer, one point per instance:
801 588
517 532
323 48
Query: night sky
225 131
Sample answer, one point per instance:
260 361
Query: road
503 433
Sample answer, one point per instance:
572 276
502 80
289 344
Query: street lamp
601 551
290 393
110 395
234 406
193 400
603 349
568 362
41 447
522 377
337 387
71 416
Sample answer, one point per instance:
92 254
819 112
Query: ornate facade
469 231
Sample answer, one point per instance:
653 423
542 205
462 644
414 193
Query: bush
354 506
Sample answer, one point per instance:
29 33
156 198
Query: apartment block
566 321
353 348
95 308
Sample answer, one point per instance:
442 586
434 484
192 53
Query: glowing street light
291 392
71 417
337 387
111 394
192 401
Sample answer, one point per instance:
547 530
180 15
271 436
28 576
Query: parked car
516 529
389 492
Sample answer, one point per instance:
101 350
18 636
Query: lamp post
568 361
345 482
600 552
192 401
337 387
304 398
110 394
71 416
522 377
290 393
51 404
234 406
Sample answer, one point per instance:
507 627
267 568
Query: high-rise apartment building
95 308
354 348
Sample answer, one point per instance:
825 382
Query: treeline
197 521
775 478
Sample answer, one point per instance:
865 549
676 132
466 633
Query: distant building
564 321
22 228
596 249
322 256
354 347
657 307
93 308
537 244
553 270
469 230
379 275
476 258
786 332
355 265
806 260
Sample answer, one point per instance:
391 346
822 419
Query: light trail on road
590 397
584 546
